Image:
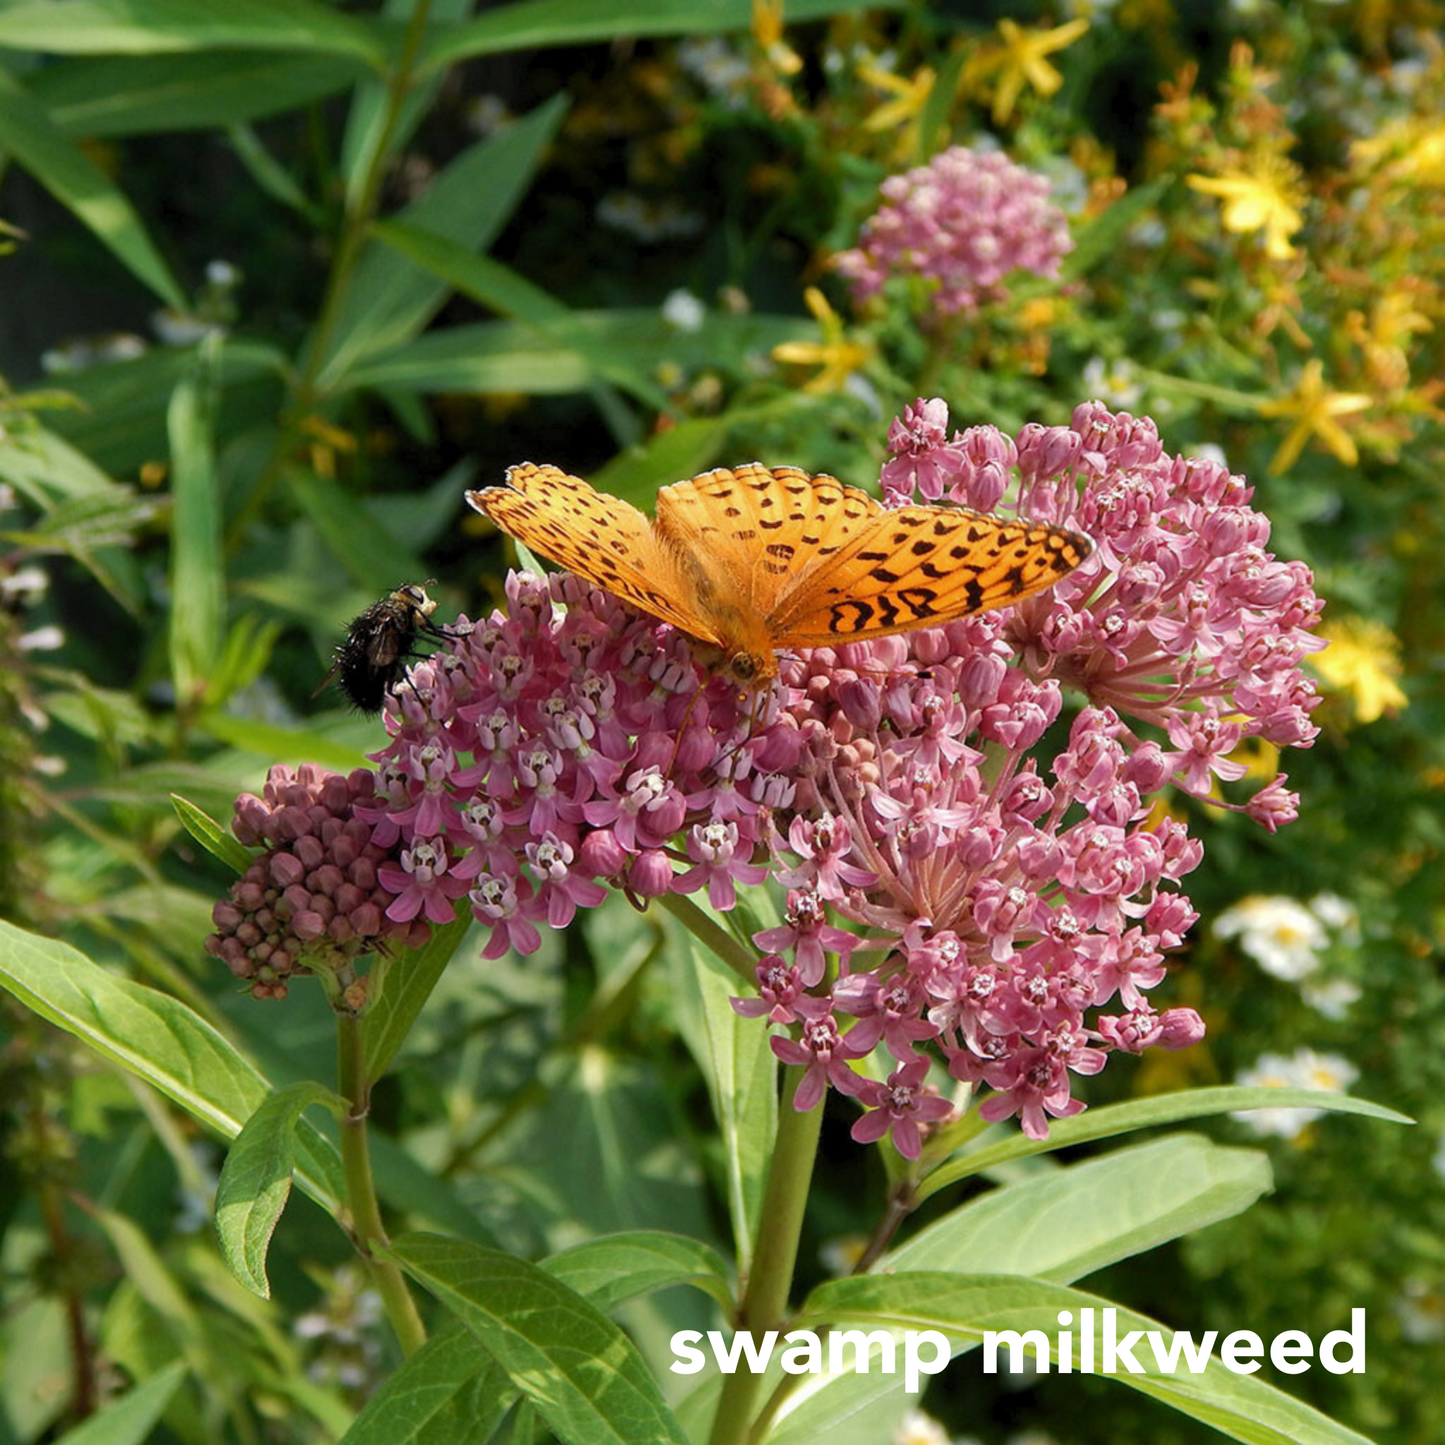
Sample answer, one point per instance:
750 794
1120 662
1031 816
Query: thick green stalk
775 1253
366 1225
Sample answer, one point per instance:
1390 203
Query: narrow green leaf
153 27
583 1375
211 835
618 1267
936 109
256 1180
1112 1119
38 144
198 580
79 525
155 1281
267 740
489 283
409 981
270 176
389 299
46 469
742 1078
1098 239
1064 1223
684 449
537 23
371 122
129 1419
965 1306
122 423
372 557
122 95
514 356
158 1039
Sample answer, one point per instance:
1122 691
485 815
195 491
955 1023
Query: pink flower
422 883
713 847
899 1107
824 1052
963 222
969 879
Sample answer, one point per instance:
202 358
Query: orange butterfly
753 559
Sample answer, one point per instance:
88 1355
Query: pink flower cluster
964 222
967 876
319 890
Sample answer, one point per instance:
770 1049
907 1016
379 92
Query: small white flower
42 639
1304 1069
918 1428
1115 382
176 328
1331 997
1421 1312
715 63
1337 913
684 310
841 1254
858 386
488 115
222 273
25 585
1280 934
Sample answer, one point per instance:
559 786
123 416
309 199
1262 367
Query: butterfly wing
763 529
919 566
598 537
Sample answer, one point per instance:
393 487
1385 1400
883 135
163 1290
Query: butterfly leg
682 728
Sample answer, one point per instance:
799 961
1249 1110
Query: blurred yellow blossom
1412 149
1313 407
1384 337
1021 62
909 98
1363 658
1265 196
768 32
838 357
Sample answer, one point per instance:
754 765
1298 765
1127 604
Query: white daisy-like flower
1304 1069
1280 934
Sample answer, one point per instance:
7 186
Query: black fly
378 645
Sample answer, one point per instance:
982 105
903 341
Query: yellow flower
1363 658
1021 62
1384 338
909 98
1415 149
1266 197
768 32
838 356
1313 408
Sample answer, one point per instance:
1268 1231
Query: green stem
366 1225
355 228
742 961
765 1296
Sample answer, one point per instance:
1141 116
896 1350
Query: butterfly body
751 560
